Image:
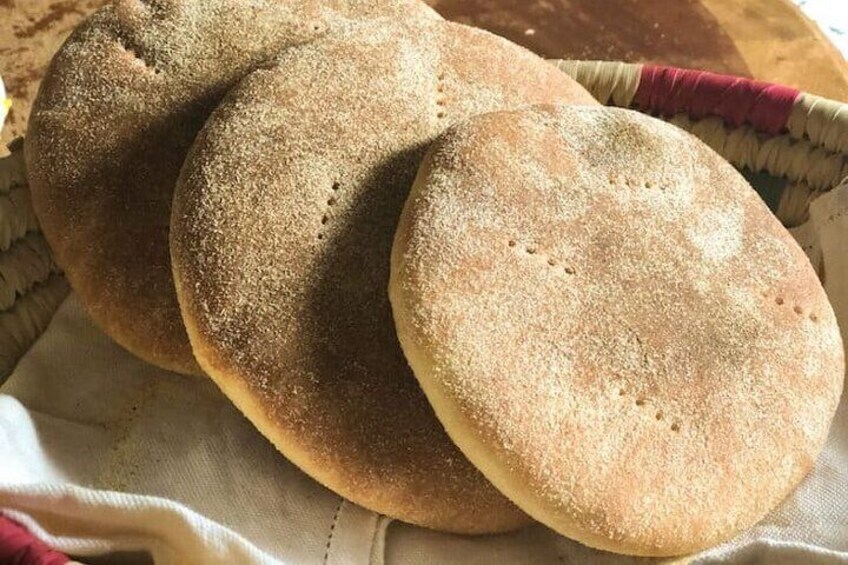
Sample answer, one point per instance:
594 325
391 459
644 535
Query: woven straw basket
792 146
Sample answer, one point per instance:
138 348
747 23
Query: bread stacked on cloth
613 327
604 329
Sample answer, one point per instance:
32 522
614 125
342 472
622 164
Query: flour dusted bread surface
281 236
120 105
612 326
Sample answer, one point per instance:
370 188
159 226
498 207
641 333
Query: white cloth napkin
103 454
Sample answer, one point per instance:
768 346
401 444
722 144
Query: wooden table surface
766 39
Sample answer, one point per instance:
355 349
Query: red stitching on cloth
668 91
19 547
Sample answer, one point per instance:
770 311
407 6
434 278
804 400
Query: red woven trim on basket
19 547
668 91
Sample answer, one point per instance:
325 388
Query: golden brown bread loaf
612 326
282 226
120 105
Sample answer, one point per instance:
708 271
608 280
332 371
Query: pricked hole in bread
798 310
158 8
814 318
152 4
659 416
649 184
132 52
440 100
325 219
621 392
779 301
640 402
675 427
533 250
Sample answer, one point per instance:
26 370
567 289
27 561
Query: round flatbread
117 111
612 326
281 235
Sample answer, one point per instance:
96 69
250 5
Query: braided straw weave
781 137
31 285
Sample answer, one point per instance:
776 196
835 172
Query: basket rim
667 91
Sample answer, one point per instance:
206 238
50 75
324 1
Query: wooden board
766 39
